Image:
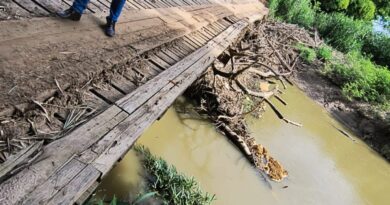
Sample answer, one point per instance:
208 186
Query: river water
325 167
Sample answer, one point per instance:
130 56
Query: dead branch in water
243 79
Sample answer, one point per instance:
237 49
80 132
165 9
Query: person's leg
80 5
116 9
115 12
75 11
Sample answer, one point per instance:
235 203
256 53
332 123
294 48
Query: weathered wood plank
108 93
165 57
13 190
83 198
94 101
32 7
172 55
56 182
14 9
124 85
75 189
15 160
154 66
52 5
158 61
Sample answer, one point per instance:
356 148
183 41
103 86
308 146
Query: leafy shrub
361 79
383 7
342 32
300 12
324 52
334 5
308 54
362 9
378 47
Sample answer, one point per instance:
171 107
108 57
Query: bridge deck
180 39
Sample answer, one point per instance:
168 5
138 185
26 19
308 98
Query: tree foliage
334 5
362 9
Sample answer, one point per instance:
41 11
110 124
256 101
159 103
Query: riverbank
360 117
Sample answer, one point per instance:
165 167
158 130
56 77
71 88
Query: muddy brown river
325 166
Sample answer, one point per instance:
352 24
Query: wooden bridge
179 38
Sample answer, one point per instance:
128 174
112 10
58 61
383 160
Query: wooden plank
205 34
158 61
55 183
108 93
211 30
195 36
191 46
168 2
196 41
172 55
122 84
32 7
134 4
83 198
165 57
141 4
52 5
130 5
15 160
133 101
181 46
14 189
191 42
154 66
94 101
182 52
14 9
131 128
75 189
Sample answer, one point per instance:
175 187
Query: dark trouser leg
115 10
80 5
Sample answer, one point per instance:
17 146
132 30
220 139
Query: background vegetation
363 72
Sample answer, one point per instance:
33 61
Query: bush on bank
361 79
362 9
342 32
334 5
377 46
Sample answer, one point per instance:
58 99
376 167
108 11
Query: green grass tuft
309 55
325 53
172 186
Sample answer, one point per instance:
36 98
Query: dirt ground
31 64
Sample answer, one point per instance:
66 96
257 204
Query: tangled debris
242 81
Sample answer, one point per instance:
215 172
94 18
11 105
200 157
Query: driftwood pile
242 81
